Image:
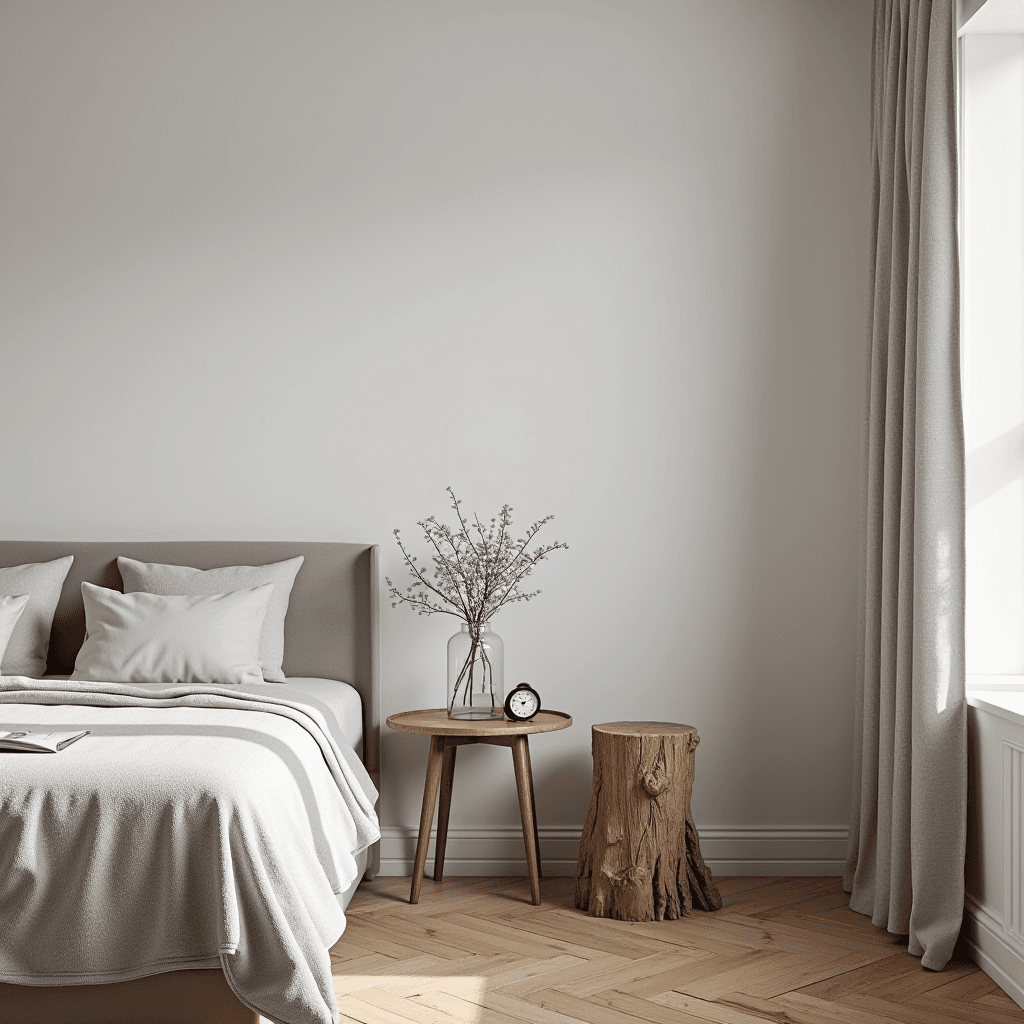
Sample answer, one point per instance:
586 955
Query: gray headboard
332 629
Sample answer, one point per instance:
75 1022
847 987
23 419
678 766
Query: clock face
523 703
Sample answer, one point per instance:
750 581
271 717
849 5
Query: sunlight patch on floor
459 990
362 997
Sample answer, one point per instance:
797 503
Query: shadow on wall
562 787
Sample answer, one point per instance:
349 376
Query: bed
331 634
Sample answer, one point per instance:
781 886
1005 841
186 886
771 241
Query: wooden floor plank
967 987
706 1010
753 973
583 1009
773 1010
866 978
968 1013
519 975
430 932
851 928
361 964
367 1013
780 936
803 1009
909 1013
530 1013
644 1009
409 1009
629 972
665 981
797 929
917 983
999 998
599 967
557 943
380 940
804 970
589 931
352 981
446 974
473 938
459 1009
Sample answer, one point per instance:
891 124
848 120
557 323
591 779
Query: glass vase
476 673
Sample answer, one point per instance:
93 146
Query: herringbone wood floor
474 951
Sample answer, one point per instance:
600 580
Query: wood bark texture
640 854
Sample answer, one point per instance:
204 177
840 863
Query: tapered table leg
447 777
434 764
521 762
533 808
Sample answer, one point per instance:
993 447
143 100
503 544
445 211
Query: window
991 49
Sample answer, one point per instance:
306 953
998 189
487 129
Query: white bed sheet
342 699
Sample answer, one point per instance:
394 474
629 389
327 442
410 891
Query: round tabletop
435 722
643 728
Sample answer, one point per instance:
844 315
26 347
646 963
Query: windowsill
998 695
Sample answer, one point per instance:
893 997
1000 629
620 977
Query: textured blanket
194 827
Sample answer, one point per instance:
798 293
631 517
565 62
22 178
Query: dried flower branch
478 568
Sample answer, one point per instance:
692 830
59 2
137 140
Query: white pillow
30 641
150 638
155 578
10 611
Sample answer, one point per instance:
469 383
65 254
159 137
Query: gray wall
284 270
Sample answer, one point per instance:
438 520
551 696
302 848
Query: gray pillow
10 611
180 580
150 638
30 642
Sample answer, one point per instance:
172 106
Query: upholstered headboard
332 629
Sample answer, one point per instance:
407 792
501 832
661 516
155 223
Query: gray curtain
905 865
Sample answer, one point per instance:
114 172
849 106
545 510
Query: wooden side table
446 735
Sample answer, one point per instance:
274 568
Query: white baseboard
728 851
996 952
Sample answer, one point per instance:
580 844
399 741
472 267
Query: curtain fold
905 862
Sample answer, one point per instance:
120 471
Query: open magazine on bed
38 742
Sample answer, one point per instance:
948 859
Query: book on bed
38 742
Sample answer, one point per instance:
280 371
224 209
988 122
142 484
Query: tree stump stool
640 854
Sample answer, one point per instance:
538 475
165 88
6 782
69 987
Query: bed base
176 997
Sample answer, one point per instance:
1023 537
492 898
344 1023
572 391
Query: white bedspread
195 827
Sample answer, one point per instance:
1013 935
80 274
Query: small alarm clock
522 703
